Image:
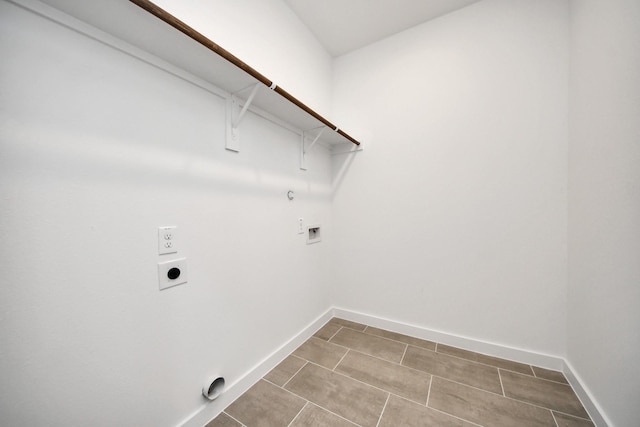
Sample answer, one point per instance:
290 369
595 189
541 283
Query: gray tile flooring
350 375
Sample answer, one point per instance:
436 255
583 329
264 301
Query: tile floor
349 374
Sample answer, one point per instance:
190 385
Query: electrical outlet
172 273
167 240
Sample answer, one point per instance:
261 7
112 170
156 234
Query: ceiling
345 25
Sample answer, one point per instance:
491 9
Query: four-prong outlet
172 273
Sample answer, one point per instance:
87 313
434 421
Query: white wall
604 204
454 216
267 35
98 149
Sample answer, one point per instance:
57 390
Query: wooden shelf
150 28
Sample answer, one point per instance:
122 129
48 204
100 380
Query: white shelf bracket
235 115
304 151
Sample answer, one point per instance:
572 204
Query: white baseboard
212 409
491 349
555 363
596 413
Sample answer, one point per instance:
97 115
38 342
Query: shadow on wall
65 156
343 157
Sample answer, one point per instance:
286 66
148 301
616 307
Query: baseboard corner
592 407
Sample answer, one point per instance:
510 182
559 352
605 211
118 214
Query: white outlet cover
167 240
164 281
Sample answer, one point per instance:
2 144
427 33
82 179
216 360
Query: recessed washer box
314 235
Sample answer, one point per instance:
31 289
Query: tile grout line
297 372
513 399
540 379
501 385
444 354
455 416
355 325
551 381
425 372
506 397
435 344
289 391
356 380
532 374
298 414
429 391
383 338
470 386
576 395
452 380
544 407
486 364
333 343
570 415
340 361
383 408
238 421
396 364
374 356
309 403
407 367
336 333
322 407
381 358
536 376
274 384
363 383
404 353
337 415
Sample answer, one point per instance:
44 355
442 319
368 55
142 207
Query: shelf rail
219 50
